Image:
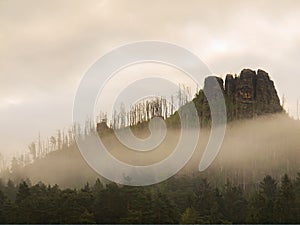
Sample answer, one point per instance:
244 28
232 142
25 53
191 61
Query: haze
251 150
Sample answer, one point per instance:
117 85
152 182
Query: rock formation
248 95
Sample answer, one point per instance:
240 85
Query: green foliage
263 203
286 201
186 200
110 205
163 210
297 199
190 216
235 202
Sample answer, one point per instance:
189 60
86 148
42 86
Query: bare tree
32 150
53 143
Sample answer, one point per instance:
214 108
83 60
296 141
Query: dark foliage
178 200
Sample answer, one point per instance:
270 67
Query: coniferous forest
180 199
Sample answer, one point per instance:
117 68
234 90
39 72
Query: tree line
180 199
138 113
147 108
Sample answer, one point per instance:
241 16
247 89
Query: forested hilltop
246 183
183 199
260 139
249 95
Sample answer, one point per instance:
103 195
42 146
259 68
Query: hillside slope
266 141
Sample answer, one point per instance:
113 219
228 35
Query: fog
251 149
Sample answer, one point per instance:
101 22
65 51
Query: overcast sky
46 47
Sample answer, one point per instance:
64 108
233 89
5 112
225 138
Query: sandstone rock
267 100
230 85
248 95
212 85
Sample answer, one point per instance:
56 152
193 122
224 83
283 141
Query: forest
254 179
180 199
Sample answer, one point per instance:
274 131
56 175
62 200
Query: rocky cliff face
248 95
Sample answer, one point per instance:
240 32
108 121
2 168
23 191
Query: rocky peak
247 95
211 84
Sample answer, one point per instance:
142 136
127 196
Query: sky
47 46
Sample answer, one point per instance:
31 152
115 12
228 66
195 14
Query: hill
264 142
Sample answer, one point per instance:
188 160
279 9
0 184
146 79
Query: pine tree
10 190
236 204
98 186
2 202
109 205
23 192
286 201
297 200
263 206
163 209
